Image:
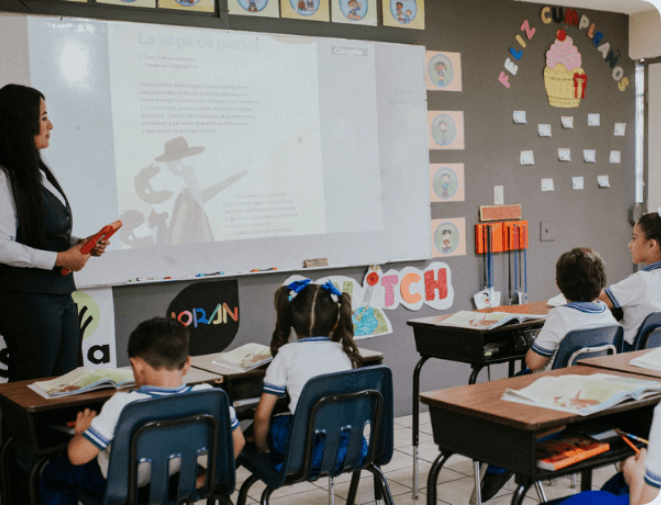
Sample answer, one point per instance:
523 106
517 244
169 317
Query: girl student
320 315
639 294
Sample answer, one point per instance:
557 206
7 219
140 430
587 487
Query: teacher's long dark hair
21 160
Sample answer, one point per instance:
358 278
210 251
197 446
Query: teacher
38 317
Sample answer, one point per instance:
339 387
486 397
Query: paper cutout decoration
446 129
527 158
594 119
577 183
448 237
96 312
357 12
603 181
567 122
261 8
519 117
310 10
443 71
619 129
446 182
404 13
547 185
148 4
589 156
615 157
544 130
185 5
564 79
564 154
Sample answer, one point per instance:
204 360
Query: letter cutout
591 31
597 38
203 319
571 17
618 73
612 59
105 354
517 54
389 282
558 14
509 65
520 40
584 22
404 288
431 284
622 85
504 79
234 314
188 315
603 49
546 19
528 29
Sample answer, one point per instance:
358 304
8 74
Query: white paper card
544 130
589 155
519 117
567 122
527 158
594 119
619 129
577 183
486 298
564 154
547 184
603 181
615 157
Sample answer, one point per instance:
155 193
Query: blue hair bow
296 287
332 289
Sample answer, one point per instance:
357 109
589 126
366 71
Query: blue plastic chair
588 343
333 406
182 426
642 339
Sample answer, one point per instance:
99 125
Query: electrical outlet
547 233
498 195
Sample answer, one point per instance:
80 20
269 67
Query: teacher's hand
99 248
72 259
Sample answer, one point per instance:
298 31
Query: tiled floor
455 482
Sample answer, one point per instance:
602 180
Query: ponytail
344 331
283 322
650 224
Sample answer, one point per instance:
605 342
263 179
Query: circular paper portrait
253 5
440 70
187 3
355 10
403 11
446 238
305 7
445 183
443 130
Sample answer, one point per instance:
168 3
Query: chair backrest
339 406
176 427
641 340
588 343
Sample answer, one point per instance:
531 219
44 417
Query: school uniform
638 295
566 318
61 481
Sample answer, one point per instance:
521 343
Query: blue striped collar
588 307
313 339
652 266
156 391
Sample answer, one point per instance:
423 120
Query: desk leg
476 370
35 472
520 493
586 480
416 426
4 470
432 479
478 483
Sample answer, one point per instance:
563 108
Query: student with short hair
580 275
158 351
639 294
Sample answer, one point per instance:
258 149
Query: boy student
580 275
158 350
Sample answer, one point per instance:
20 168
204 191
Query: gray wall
482 31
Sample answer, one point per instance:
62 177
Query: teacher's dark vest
57 220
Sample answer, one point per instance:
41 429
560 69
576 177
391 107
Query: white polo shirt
638 296
298 362
565 318
653 460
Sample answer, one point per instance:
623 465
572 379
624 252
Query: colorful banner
404 13
309 10
262 8
357 12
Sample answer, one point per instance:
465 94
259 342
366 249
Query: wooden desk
474 421
466 345
620 363
27 417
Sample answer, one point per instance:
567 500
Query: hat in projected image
178 148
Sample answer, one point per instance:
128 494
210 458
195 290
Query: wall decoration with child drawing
310 10
188 5
358 12
564 78
404 13
448 237
210 311
446 182
443 71
262 8
446 129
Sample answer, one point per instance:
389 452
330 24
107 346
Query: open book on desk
650 360
245 358
583 394
82 380
486 320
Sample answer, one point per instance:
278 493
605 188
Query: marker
209 275
632 436
263 269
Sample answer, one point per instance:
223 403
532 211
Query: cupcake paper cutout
564 78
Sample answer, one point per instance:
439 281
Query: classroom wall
483 33
645 35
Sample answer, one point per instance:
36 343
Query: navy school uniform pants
61 481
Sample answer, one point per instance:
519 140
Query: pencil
633 437
629 443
